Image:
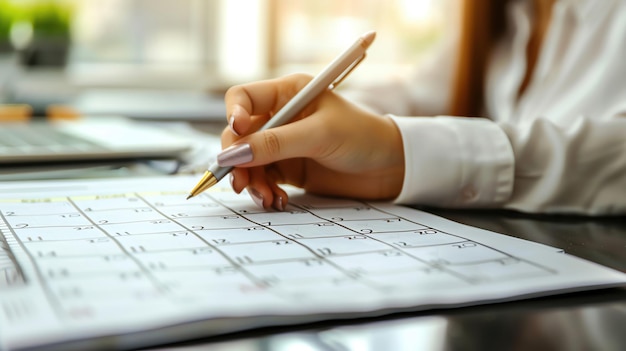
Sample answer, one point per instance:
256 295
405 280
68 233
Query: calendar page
132 263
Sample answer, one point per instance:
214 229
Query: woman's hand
331 148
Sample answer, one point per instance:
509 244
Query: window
200 44
149 43
310 33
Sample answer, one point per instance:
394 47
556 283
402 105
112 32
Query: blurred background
174 59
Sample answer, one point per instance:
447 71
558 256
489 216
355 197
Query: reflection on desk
591 320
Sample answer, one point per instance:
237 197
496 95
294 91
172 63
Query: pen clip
345 73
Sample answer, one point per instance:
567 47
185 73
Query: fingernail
231 179
231 124
278 203
235 155
257 197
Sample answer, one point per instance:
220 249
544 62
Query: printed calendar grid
220 213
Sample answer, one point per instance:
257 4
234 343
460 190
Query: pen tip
189 197
368 38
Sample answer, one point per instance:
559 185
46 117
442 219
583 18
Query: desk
582 321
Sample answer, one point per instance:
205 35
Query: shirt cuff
455 162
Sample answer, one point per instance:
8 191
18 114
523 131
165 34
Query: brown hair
482 23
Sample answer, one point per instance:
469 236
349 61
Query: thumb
297 139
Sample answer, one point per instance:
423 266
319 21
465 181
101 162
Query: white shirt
560 147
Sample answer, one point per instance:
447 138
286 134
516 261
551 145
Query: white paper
132 263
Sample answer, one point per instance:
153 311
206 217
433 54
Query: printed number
157 266
225 270
202 251
130 275
324 251
61 272
46 253
391 253
312 262
69 215
355 237
243 259
464 245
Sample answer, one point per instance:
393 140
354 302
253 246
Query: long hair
483 22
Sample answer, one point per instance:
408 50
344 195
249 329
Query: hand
331 148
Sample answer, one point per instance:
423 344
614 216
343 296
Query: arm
459 162
335 148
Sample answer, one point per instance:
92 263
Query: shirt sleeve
539 167
455 162
578 168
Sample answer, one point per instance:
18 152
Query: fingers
249 106
239 179
262 187
261 184
304 138
261 98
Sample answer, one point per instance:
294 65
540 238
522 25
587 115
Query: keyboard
87 139
29 138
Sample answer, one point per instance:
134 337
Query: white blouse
560 147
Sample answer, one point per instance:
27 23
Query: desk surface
583 321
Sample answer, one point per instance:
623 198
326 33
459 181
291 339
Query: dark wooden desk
592 320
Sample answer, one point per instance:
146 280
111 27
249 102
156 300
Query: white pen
329 78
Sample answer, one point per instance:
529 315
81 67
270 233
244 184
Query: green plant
5 21
47 31
50 19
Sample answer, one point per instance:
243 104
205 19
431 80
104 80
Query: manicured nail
257 197
231 179
235 155
278 203
231 124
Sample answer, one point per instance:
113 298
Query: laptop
87 139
